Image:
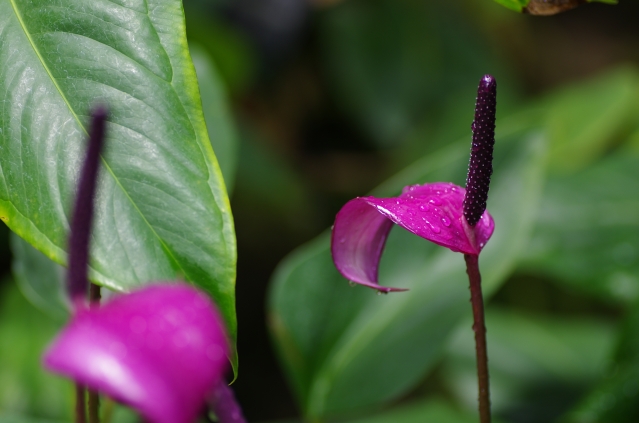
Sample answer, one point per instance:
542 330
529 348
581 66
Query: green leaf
230 47
539 365
25 387
162 208
40 280
347 348
12 418
520 5
516 5
584 120
617 396
391 64
217 115
430 411
587 231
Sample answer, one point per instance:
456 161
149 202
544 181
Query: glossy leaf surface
346 348
162 210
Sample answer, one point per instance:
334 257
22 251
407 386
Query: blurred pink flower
161 350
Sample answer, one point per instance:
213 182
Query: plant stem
94 396
94 406
223 403
479 327
80 407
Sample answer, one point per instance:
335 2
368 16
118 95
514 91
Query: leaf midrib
106 165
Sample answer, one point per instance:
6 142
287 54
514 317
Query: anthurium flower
161 349
440 212
431 211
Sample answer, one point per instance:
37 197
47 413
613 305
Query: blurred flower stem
94 396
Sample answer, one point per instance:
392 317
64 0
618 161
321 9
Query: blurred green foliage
24 385
334 98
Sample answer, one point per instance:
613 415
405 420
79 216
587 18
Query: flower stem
94 406
479 327
94 396
80 407
223 403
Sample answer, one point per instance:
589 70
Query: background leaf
162 210
431 411
587 231
615 399
516 5
25 387
389 68
222 132
539 364
41 280
585 120
348 348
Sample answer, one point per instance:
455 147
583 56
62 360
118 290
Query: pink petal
161 350
432 211
358 238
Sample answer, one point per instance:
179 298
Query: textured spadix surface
160 349
431 211
162 210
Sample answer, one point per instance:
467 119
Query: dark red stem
94 396
80 406
479 327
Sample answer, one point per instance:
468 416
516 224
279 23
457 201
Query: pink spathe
431 211
161 349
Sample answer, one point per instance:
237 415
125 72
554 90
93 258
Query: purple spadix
480 167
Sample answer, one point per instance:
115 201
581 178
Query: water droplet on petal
424 207
446 221
435 201
432 227
342 240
